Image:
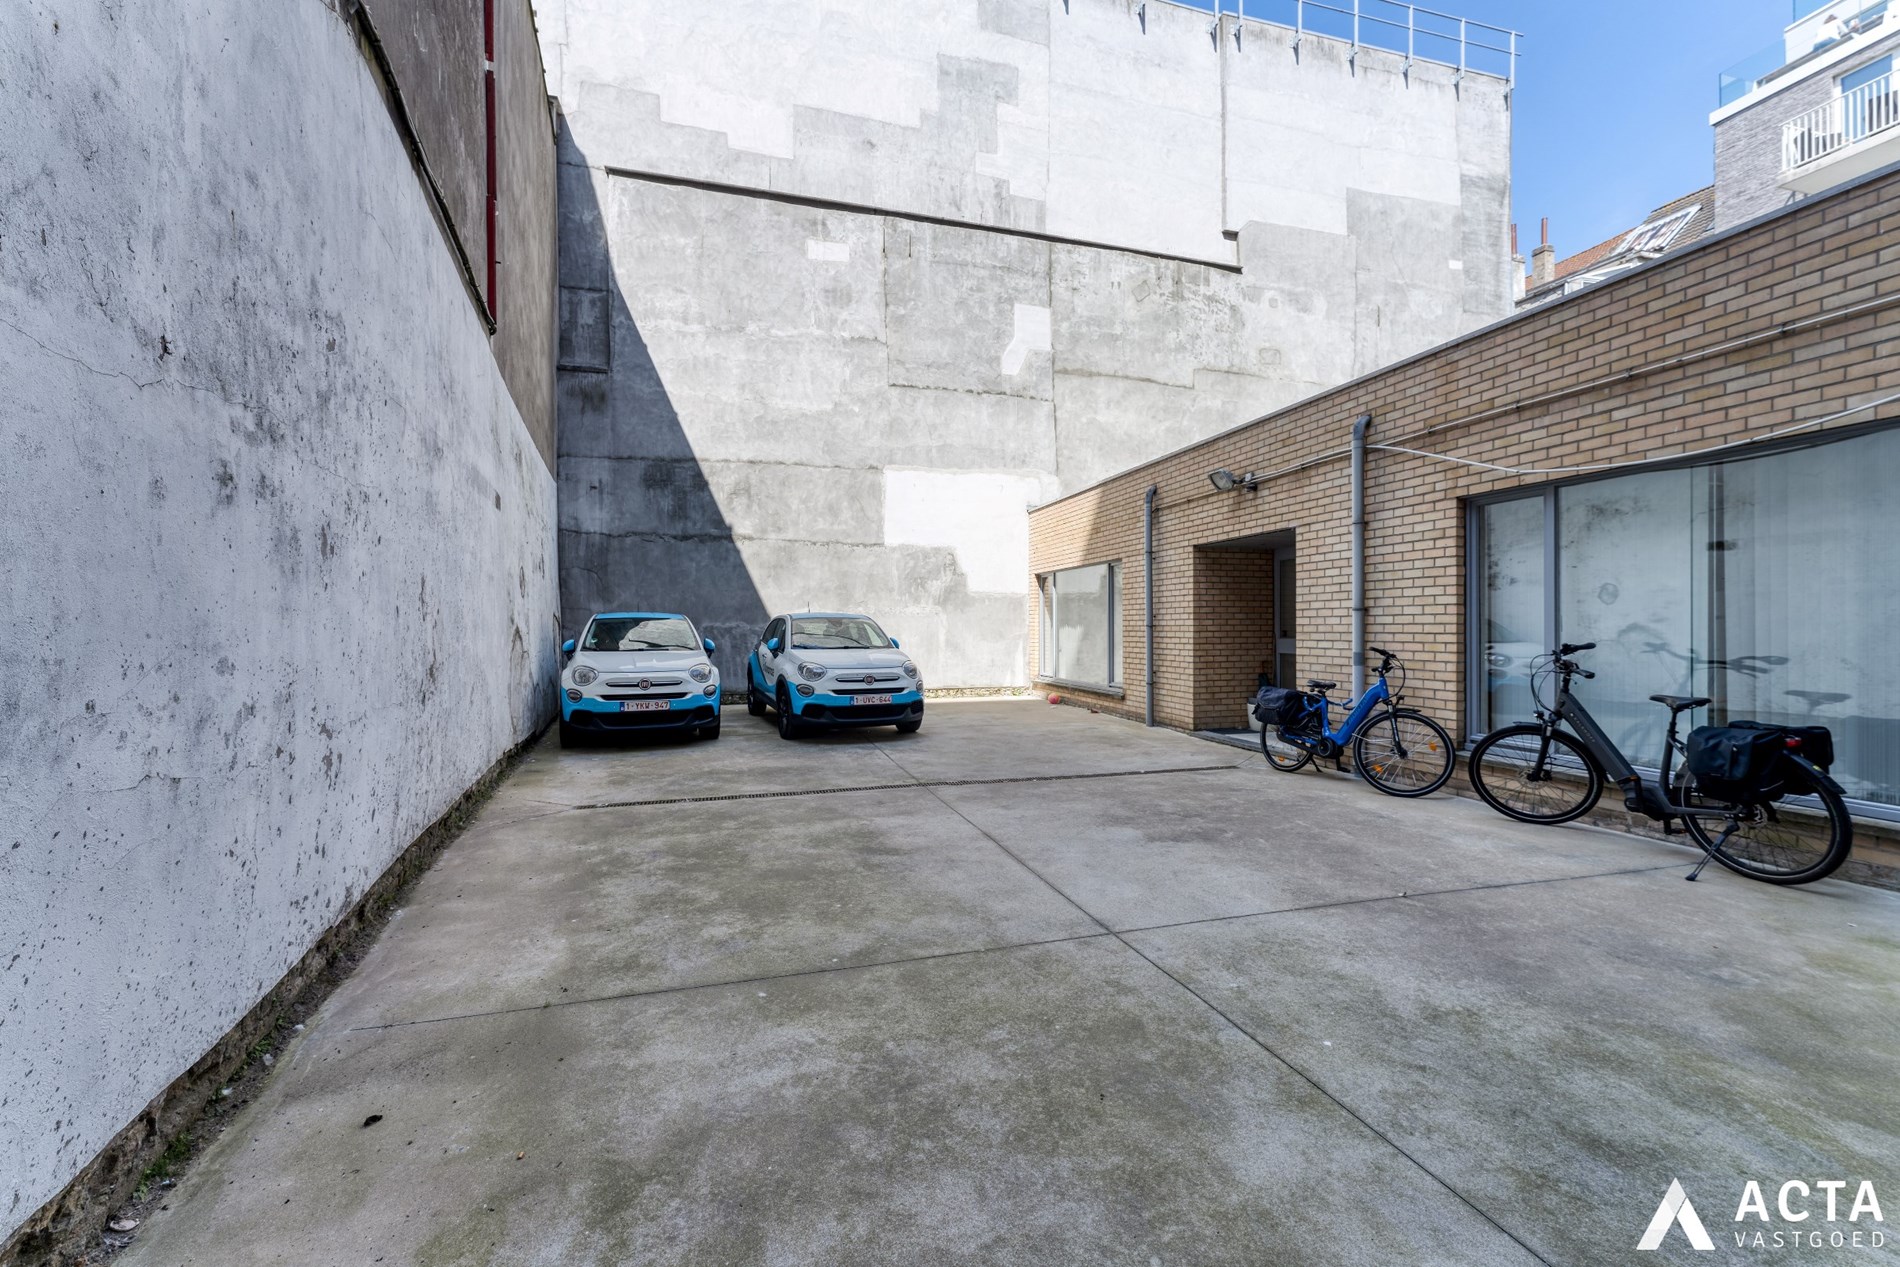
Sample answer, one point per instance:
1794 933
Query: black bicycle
1537 773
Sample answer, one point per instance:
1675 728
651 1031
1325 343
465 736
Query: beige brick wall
1787 320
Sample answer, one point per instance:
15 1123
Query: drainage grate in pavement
899 787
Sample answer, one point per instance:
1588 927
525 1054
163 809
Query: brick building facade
1785 322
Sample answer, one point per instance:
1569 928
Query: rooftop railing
1800 44
1415 33
1834 125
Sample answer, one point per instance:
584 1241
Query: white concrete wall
279 550
766 403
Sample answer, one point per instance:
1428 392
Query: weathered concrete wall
787 381
279 549
527 220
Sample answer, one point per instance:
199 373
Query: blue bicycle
1400 751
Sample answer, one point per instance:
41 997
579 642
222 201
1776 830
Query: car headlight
804 689
811 672
584 676
910 670
700 672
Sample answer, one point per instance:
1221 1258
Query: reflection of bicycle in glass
1398 750
1536 773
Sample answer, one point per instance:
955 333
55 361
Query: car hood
849 658
640 661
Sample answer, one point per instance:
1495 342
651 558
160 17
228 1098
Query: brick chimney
1544 260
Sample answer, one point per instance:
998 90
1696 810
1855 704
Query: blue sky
1613 101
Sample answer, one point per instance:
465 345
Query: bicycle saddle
1322 686
1677 703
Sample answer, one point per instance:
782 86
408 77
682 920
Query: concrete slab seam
660 991
1242 1030
896 787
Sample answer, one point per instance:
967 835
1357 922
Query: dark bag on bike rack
1284 708
1745 762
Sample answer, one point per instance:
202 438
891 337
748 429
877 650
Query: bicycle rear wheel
1403 753
1280 754
1762 843
1522 776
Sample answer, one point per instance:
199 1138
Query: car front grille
648 695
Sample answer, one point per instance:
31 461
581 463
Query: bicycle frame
1639 797
1376 694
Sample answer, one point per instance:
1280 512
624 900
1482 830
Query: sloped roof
1674 224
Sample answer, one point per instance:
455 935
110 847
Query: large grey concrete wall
847 285
279 548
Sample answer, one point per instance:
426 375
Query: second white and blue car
824 670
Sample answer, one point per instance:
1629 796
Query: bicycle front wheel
1403 753
1523 773
1280 754
1763 843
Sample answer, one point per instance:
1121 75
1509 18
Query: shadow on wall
639 526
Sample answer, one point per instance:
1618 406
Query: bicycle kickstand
1708 852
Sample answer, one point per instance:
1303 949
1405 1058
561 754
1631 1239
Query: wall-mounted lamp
1226 481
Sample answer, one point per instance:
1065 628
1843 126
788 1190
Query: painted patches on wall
980 515
828 252
1032 334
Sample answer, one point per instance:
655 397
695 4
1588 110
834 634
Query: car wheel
708 732
754 693
909 727
570 736
788 726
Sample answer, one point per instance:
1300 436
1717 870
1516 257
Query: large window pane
1511 605
1625 583
1080 615
1803 599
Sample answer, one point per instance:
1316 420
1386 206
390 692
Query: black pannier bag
1285 708
1743 762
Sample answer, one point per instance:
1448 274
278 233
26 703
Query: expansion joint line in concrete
900 787
910 217
905 960
1237 1027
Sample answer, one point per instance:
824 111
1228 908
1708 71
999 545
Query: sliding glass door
1769 583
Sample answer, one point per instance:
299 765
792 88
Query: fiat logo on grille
646 684
869 679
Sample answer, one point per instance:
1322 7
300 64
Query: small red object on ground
1055 699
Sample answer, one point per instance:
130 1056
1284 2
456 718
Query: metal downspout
1148 586
1360 426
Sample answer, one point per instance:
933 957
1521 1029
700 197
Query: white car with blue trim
822 670
639 671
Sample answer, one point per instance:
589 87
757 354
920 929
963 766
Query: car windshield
640 633
828 633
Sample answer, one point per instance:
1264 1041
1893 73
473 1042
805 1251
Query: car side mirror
567 648
709 644
894 642
771 644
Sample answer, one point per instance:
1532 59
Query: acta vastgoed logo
1757 1228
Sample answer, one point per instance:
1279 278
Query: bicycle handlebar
1571 648
1382 651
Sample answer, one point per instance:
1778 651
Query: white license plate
873 699
643 706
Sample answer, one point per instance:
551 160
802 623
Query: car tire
788 727
754 693
909 727
708 732
570 736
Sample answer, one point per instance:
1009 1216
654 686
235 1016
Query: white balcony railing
1831 127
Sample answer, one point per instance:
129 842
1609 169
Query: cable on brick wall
1781 331
1629 462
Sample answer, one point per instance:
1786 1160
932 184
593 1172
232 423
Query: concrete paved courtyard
1036 986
